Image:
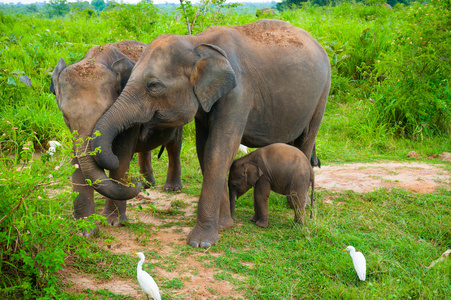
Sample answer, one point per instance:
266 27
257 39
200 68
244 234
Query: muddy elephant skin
256 84
84 91
278 167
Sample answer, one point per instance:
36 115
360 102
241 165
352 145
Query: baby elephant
278 167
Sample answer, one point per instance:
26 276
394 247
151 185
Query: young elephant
278 167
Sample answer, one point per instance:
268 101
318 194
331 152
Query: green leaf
11 81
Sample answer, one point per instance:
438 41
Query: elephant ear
60 66
252 173
213 76
123 68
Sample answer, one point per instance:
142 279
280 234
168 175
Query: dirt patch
363 178
272 32
84 282
157 210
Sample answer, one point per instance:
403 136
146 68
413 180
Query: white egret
53 145
359 262
243 149
51 151
146 281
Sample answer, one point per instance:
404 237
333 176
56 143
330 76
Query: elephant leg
262 190
213 211
115 210
173 177
145 168
201 140
306 141
225 218
299 201
290 202
84 202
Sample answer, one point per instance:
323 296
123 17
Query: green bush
37 230
137 21
412 77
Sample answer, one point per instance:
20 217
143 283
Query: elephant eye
155 87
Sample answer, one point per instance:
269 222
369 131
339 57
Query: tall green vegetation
390 81
412 76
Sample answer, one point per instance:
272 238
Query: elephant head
242 176
84 91
169 84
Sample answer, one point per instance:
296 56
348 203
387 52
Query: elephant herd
257 84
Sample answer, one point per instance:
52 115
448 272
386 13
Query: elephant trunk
100 182
123 114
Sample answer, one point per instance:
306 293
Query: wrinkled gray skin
254 84
278 167
84 91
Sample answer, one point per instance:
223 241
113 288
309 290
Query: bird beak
134 253
344 250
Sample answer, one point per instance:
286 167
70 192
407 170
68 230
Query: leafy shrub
138 19
37 230
414 94
208 13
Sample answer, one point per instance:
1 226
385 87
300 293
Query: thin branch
216 15
186 16
22 199
195 18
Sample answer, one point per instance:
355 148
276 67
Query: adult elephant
257 84
84 91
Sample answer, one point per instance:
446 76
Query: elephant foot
150 181
254 218
202 237
225 223
299 221
113 218
260 223
91 232
173 186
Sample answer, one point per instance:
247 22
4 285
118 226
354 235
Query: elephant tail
314 160
161 151
312 181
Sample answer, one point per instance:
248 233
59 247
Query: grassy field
390 95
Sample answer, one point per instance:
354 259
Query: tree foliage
59 7
99 5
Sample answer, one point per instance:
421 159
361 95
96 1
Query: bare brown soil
198 278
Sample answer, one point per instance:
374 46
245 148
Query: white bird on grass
53 145
359 262
146 281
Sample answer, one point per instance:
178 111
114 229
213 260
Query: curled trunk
100 182
120 116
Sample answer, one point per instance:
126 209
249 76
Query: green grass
397 231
